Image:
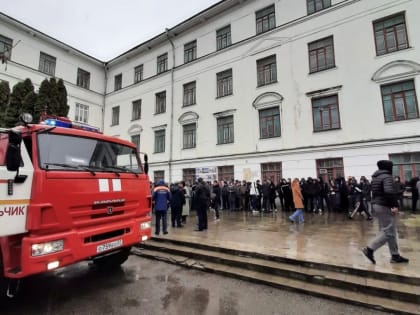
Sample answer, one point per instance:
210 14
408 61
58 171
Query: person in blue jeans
161 197
298 202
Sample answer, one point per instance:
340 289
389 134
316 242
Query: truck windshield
63 152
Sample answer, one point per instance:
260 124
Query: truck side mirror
146 164
13 156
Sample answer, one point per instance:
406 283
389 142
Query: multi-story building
254 89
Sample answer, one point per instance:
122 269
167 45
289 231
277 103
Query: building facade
258 89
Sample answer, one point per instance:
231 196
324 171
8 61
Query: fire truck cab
68 193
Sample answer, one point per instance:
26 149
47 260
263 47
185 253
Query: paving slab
329 238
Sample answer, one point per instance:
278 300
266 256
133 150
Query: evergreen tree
63 109
4 100
52 99
42 103
17 98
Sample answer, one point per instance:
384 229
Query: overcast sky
102 28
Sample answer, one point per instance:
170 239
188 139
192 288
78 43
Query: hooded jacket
383 192
297 194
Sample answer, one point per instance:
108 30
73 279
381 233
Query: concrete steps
376 290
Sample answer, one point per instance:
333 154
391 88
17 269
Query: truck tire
112 261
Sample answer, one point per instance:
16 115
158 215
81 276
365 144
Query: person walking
161 197
298 202
385 207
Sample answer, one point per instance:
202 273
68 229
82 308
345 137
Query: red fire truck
68 193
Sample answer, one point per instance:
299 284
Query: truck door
15 190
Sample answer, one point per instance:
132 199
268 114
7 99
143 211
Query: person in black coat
414 193
177 201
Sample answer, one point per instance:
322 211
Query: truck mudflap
67 248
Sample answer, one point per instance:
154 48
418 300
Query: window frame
265 15
275 117
6 44
81 113
190 51
47 63
323 49
324 5
136 110
395 33
133 139
225 124
330 116
266 65
406 162
115 118
160 103
272 171
158 175
160 139
162 63
138 73
223 37
333 166
118 82
189 93
224 84
189 137
83 78
393 94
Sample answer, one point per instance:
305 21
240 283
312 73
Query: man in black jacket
385 207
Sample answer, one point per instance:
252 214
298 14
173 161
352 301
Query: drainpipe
171 129
103 98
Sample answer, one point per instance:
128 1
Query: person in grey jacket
385 207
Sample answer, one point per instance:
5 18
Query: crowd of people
339 195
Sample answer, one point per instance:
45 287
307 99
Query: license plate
108 246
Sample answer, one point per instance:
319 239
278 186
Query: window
325 113
47 63
330 168
406 165
189 94
136 114
390 34
225 173
190 51
82 113
321 54
317 5
5 47
136 140
83 78
225 130
265 19
160 141
266 71
162 63
160 102
118 82
115 116
189 135
271 171
269 123
224 83
138 74
399 101
158 175
223 37
188 175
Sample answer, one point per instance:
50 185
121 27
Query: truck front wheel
112 261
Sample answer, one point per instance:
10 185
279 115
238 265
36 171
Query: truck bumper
79 245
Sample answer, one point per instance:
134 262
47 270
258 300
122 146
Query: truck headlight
145 225
47 248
